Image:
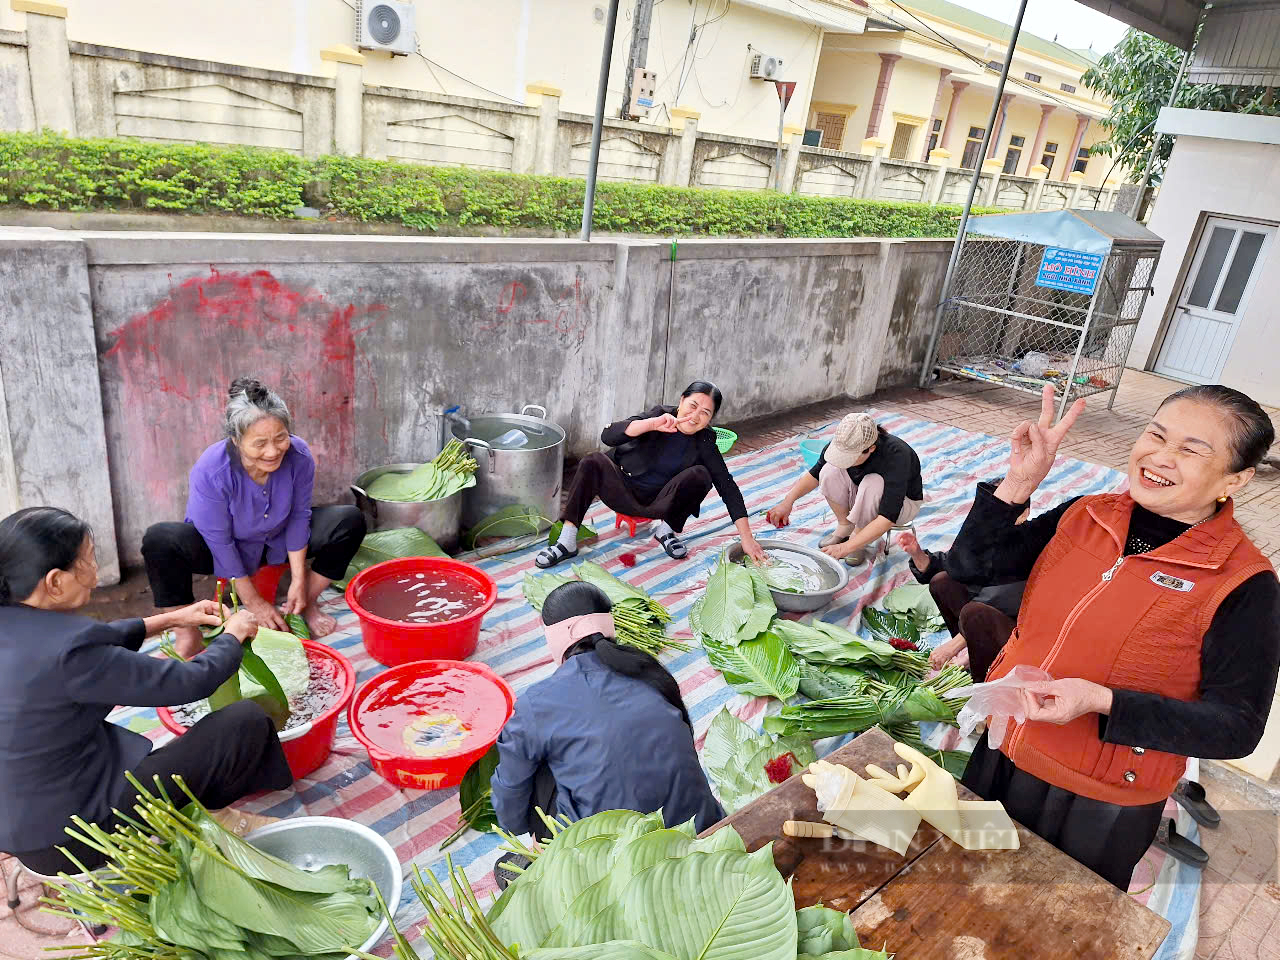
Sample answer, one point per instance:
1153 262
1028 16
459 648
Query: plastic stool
14 901
267 580
897 528
629 522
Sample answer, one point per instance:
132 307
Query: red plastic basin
266 580
305 747
393 642
426 773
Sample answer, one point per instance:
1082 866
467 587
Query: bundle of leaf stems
645 630
456 929
467 815
455 459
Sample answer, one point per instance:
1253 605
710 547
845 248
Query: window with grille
1014 154
902 135
832 127
972 148
1068 87
1033 77
1049 156
1082 160
934 133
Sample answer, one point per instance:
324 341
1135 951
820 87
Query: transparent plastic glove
973 824
1000 700
850 803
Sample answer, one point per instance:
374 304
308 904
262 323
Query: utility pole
639 56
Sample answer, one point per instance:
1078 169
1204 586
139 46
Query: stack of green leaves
913 600
745 765
736 622
451 471
180 887
823 932
828 643
640 620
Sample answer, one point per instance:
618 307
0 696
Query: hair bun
251 387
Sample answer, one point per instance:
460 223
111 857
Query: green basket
725 439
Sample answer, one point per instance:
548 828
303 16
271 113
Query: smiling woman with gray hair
249 505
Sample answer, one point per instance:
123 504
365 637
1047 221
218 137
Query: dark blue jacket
611 742
60 675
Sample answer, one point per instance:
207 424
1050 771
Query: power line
417 44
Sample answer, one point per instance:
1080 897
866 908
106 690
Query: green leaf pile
453 470
620 884
914 600
390 544
736 756
517 520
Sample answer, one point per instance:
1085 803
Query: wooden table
942 902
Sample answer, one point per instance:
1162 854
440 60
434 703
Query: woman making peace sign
1157 616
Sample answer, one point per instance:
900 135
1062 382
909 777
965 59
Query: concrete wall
1226 178
123 344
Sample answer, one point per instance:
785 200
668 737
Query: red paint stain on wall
170 368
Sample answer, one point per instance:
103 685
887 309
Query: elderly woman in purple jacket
249 505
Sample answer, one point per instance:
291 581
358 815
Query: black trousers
226 756
1107 838
986 630
599 476
174 552
544 799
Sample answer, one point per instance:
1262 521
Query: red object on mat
630 522
267 580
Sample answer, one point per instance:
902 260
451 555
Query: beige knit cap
854 434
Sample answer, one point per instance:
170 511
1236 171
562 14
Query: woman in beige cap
871 480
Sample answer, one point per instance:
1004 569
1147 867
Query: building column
943 73
1041 133
544 152
348 99
887 63
49 61
688 126
1082 124
994 145
957 87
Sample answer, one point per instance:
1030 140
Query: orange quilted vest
1133 623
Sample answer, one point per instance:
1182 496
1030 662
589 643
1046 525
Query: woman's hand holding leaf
242 625
203 613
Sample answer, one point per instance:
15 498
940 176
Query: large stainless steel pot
530 475
441 519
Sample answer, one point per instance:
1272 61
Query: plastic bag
1001 700
1034 364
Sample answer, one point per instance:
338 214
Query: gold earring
1223 498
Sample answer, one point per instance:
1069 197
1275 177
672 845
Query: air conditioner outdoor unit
765 67
386 25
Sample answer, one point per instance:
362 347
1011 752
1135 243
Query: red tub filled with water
420 608
307 743
424 724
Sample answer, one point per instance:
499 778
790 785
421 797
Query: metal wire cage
1009 318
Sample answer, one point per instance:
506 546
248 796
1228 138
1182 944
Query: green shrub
48 171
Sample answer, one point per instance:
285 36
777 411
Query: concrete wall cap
685 113
993 163
341 53
939 155
41 7
544 89
1076 177
790 131
1040 171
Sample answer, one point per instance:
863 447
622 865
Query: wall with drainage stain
369 339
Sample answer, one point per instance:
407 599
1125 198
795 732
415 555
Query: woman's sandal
1179 847
556 553
674 546
1192 799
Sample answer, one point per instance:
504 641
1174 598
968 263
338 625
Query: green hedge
51 172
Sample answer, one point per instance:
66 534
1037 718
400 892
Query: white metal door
1213 300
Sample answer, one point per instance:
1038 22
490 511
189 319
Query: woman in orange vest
1153 611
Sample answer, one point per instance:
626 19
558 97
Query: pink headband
563 635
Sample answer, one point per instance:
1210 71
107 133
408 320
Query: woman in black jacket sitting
662 465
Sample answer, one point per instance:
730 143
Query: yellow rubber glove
974 824
850 803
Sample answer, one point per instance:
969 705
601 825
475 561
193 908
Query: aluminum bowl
310 843
834 573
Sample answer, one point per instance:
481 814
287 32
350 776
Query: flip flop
673 545
503 877
556 553
1190 795
1179 847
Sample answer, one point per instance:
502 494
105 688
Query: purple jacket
238 519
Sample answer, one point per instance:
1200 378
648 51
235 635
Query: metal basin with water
441 519
310 843
527 473
826 577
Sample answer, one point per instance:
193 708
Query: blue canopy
1089 231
